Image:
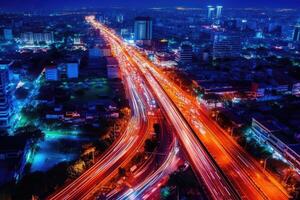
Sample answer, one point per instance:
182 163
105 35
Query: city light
149 100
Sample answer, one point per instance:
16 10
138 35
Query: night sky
71 4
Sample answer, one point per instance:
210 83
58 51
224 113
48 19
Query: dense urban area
160 103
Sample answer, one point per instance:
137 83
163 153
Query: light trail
234 158
248 178
202 163
150 181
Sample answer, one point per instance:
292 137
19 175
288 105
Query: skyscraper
296 34
211 12
143 30
226 45
219 12
4 97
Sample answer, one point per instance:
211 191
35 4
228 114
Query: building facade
8 34
37 38
72 70
113 70
296 34
226 45
51 73
5 106
143 30
185 54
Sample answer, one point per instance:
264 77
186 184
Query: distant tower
211 12
296 34
219 12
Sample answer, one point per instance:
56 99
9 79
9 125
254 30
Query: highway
151 183
202 163
248 178
138 87
234 158
149 177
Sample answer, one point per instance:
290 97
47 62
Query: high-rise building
185 53
296 34
143 30
219 12
8 34
5 107
226 45
211 12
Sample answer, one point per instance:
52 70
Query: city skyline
18 5
143 100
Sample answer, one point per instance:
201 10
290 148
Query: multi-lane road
244 178
226 170
239 166
203 164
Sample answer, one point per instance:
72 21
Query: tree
77 169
